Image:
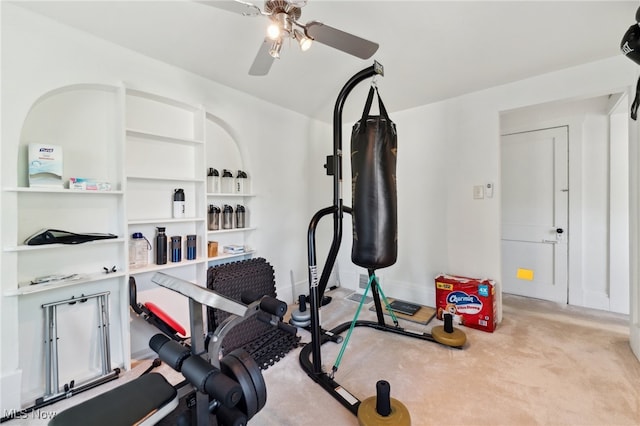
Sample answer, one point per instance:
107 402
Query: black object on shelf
57 236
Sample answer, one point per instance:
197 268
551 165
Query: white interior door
535 232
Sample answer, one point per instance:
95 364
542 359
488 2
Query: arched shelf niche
223 150
86 121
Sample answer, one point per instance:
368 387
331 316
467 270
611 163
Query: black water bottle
161 247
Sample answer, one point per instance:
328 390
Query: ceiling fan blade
237 6
341 40
263 61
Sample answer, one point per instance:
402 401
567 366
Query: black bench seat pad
125 405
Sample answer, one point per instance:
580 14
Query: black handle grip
383 398
169 351
302 301
448 323
273 306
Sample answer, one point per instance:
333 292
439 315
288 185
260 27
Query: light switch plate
478 192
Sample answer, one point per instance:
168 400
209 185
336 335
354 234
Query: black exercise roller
169 351
208 379
374 194
273 306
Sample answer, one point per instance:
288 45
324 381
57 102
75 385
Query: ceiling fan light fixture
275 49
304 41
273 31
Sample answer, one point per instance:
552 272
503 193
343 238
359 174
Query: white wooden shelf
168 265
223 256
225 231
27 288
165 179
165 220
162 138
58 246
228 194
61 191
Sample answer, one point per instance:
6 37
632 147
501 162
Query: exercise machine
310 355
229 390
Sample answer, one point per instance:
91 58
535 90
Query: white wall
39 55
457 144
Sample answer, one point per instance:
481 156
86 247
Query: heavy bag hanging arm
317 285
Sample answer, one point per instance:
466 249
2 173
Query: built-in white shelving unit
146 146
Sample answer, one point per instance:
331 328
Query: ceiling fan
284 24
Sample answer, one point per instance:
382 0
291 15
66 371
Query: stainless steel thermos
240 216
213 218
227 217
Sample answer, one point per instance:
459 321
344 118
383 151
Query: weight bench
143 401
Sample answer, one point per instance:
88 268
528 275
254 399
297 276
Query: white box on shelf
45 165
88 184
233 249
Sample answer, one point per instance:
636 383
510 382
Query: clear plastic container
139 248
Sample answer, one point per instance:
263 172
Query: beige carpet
546 364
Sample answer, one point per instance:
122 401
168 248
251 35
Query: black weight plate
256 375
233 368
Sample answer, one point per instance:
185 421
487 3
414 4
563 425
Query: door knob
559 230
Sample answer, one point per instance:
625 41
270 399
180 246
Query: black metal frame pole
317 286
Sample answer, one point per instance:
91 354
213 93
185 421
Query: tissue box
45 165
471 301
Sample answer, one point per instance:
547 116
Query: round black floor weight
382 409
239 366
301 317
447 334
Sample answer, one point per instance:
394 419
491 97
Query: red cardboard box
471 301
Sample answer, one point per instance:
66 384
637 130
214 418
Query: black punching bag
374 198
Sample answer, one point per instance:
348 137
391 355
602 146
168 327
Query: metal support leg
51 350
52 386
103 306
197 349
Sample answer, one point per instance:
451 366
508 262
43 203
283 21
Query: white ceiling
430 50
